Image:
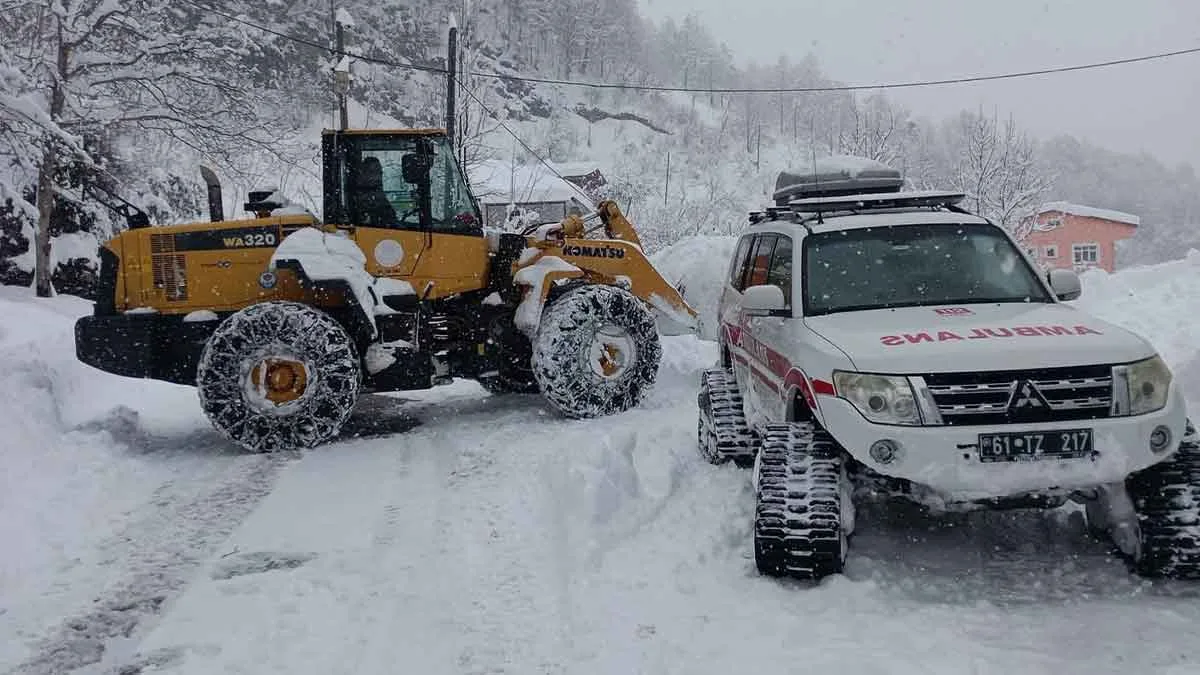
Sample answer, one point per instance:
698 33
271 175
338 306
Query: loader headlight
884 399
1149 382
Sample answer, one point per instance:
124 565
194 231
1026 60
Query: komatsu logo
593 251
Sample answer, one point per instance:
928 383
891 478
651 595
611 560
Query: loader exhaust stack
216 208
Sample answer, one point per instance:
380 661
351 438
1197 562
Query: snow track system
1167 499
722 431
800 500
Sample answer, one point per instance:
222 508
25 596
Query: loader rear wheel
278 376
597 351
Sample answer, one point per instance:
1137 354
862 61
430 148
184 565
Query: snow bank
1158 302
67 478
700 264
67 247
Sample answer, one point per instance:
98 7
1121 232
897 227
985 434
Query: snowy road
492 538
452 532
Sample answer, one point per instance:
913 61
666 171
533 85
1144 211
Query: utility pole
667 184
341 72
758 147
451 81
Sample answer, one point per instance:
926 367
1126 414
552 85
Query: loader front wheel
597 351
278 376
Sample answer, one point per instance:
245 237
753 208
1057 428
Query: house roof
502 182
1089 212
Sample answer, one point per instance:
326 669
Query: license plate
1033 446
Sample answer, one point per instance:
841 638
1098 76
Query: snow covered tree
996 166
123 68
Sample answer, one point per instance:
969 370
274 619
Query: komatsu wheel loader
281 321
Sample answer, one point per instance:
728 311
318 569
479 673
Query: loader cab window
454 210
377 193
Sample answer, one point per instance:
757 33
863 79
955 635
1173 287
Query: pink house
1071 236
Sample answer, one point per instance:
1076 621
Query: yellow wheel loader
281 321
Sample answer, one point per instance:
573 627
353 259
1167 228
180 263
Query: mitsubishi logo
1026 397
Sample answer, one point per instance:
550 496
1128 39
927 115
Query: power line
713 90
853 87
519 140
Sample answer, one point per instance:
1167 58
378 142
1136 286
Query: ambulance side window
737 268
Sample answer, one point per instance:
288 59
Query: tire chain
559 362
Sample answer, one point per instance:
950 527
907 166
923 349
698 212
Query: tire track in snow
407 548
158 550
427 550
477 594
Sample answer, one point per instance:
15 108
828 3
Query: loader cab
398 180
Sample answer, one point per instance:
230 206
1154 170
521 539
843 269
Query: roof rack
813 208
879 200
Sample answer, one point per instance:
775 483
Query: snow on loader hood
977 337
327 257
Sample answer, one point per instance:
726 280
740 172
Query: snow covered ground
453 532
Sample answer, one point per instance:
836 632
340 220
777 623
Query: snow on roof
343 17
502 182
576 168
850 165
1089 212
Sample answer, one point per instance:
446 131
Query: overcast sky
1151 106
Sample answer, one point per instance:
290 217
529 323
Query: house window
1085 254
1051 252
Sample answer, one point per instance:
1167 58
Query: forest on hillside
104 102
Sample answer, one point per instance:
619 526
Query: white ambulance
876 342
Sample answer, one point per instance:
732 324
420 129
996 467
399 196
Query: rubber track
1167 499
733 438
797 519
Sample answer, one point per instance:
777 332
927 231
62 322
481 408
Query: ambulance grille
999 397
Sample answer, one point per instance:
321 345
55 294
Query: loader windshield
915 265
377 193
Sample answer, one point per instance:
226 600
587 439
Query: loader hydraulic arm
616 225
